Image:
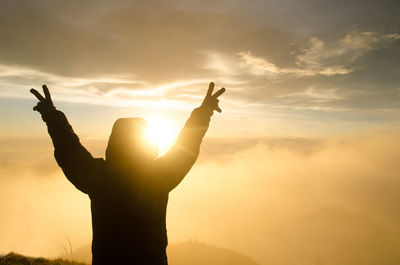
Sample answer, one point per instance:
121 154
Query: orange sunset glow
300 167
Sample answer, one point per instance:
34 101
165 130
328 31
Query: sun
161 133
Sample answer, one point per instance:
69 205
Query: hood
128 142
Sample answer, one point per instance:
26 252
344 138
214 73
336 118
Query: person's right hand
211 101
45 104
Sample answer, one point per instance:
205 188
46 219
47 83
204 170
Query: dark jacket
128 210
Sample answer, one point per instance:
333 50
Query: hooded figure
128 190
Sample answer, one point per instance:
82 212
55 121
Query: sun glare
161 133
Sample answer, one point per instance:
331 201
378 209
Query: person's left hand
45 104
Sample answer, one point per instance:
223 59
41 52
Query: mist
330 200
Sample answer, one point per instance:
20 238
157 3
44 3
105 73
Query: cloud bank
281 201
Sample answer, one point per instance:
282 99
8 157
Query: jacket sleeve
171 168
76 162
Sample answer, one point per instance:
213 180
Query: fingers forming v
210 89
219 93
46 92
37 94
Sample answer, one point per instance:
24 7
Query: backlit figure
129 188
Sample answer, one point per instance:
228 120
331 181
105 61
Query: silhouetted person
129 189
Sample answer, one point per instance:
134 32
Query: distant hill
16 259
194 253
186 253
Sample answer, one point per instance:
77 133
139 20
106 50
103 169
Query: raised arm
171 168
76 162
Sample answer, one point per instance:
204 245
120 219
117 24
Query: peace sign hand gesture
45 104
210 102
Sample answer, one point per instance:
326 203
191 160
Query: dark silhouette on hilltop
129 189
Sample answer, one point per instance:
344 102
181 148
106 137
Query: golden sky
301 167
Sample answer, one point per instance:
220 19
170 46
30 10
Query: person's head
128 145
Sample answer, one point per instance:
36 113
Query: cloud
336 57
344 51
271 55
324 74
260 66
111 90
280 201
288 201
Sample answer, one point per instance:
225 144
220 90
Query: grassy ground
16 259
